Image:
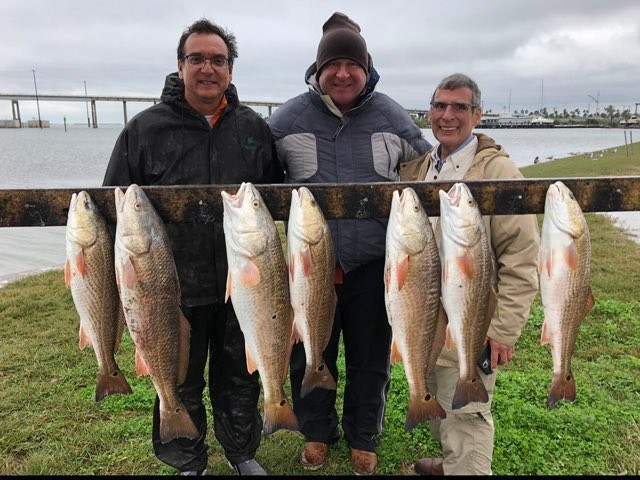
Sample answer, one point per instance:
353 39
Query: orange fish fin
85 339
396 355
67 273
465 264
570 255
251 363
402 270
291 266
467 391
142 368
249 274
129 276
423 409
563 386
296 335
279 415
545 336
449 342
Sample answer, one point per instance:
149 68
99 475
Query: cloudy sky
561 54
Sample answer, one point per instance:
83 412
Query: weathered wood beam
203 203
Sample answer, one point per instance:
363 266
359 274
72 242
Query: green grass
51 425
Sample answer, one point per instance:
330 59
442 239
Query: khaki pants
466 434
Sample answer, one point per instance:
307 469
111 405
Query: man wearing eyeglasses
467 434
341 131
201 134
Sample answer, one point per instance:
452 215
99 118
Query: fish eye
256 204
136 205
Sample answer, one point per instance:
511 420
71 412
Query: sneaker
194 472
314 454
363 462
250 467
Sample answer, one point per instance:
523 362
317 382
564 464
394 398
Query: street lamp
597 100
37 102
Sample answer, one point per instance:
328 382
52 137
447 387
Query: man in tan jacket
467 434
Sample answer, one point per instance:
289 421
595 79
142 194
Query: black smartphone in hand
484 360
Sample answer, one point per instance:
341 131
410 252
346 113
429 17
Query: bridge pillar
94 114
124 109
15 107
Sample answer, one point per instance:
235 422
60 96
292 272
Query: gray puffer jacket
367 144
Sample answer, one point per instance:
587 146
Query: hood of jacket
373 77
173 91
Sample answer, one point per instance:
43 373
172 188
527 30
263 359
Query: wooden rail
203 203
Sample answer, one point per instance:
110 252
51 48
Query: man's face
205 85
451 126
343 80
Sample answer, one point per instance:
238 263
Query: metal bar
203 203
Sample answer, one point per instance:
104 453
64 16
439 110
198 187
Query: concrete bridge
15 106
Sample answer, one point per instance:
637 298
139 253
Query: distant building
36 123
9 123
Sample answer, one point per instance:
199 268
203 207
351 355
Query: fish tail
318 377
562 387
176 423
278 415
111 382
422 409
467 391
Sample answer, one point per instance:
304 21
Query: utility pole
87 104
37 102
597 100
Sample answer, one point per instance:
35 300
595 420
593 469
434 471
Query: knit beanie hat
341 39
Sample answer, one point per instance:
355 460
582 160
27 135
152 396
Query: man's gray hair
459 80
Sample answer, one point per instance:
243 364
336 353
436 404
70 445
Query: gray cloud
523 54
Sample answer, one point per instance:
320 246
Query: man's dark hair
459 80
205 26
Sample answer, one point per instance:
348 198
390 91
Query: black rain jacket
172 144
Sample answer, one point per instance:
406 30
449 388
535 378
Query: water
78 157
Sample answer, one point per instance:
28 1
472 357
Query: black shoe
249 467
194 472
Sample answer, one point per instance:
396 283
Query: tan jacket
515 240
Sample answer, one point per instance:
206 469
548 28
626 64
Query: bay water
77 158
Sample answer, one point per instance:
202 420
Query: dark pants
361 317
215 335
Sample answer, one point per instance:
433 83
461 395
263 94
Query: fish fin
227 293
570 255
85 339
467 391
423 409
184 336
588 306
129 276
142 369
402 270
449 342
439 336
396 355
112 382
279 415
67 273
296 335
249 274
176 423
465 264
562 387
120 324
251 363
318 377
307 261
545 335
545 262
291 266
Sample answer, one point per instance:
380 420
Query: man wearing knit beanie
343 131
341 39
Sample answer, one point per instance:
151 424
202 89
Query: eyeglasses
457 107
199 61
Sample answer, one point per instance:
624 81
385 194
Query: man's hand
500 353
